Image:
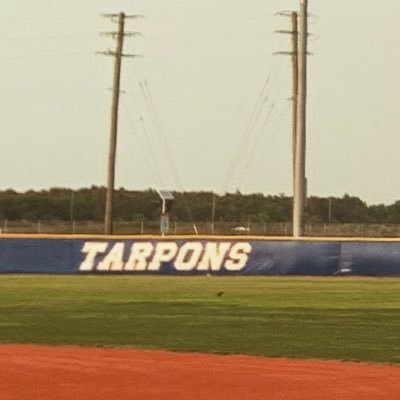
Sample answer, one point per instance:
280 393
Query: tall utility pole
118 54
295 80
295 76
108 220
300 194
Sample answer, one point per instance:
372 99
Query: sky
207 105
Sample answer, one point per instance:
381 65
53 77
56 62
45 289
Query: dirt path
34 372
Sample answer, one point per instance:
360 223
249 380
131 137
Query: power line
13 19
154 159
46 55
159 130
256 143
145 88
46 37
251 147
258 107
153 164
243 146
270 138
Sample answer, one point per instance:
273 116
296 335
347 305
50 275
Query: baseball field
114 331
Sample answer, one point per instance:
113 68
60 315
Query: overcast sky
187 101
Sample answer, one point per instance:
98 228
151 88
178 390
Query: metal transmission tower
300 183
118 54
295 75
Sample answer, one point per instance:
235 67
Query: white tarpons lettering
149 256
114 260
91 249
164 252
140 254
213 257
188 256
238 257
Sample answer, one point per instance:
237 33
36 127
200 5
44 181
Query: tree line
87 204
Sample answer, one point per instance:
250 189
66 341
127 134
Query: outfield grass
332 318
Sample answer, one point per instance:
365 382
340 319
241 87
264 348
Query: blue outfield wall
198 255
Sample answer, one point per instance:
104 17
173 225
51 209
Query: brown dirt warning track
61 373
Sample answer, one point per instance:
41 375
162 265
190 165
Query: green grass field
330 318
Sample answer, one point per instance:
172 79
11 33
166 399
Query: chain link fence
200 228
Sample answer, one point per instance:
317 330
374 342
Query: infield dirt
61 373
